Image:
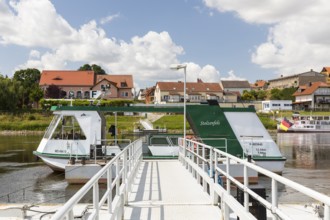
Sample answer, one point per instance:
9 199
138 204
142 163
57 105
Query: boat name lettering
261 150
256 144
60 151
210 123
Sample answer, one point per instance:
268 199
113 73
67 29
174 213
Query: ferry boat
305 123
75 134
79 132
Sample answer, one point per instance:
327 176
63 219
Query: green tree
261 95
287 93
29 81
97 69
275 94
8 94
247 96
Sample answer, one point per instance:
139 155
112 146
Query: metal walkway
165 190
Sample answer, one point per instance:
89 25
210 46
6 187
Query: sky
217 39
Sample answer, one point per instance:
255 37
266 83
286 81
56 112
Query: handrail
218 191
125 164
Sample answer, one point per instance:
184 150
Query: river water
25 180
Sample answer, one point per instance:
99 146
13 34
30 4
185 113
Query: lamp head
178 66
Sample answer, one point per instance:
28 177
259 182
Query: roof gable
67 77
235 84
121 81
192 87
310 89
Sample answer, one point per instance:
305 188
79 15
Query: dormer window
123 84
57 78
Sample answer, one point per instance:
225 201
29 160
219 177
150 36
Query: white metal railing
193 155
124 167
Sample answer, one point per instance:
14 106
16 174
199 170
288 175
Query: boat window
302 122
68 129
312 122
51 126
320 118
326 117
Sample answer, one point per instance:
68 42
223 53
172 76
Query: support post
274 198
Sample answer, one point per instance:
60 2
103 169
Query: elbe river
25 180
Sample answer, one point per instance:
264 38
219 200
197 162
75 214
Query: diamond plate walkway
164 189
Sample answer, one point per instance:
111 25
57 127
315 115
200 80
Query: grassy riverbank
37 122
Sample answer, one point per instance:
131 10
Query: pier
182 189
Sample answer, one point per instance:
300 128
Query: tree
261 95
29 80
248 96
85 67
54 92
97 69
287 93
8 94
275 94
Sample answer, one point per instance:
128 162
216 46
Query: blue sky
218 39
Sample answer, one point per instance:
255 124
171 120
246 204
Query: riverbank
20 133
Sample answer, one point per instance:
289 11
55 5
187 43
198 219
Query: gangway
155 189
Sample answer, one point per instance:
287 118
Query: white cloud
109 18
147 57
34 54
232 76
298 34
33 23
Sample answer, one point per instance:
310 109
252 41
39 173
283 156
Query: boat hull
56 164
276 166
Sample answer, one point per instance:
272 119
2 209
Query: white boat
305 123
75 134
79 132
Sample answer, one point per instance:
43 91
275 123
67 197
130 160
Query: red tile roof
192 87
120 80
310 89
326 69
67 77
258 84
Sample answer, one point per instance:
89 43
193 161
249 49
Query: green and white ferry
80 132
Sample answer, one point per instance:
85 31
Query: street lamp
184 67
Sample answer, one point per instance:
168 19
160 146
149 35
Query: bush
31 118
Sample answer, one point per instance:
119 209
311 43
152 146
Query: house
326 72
237 86
73 84
259 85
120 86
141 96
296 80
275 105
195 92
150 95
86 84
314 95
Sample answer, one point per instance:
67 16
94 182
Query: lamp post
184 67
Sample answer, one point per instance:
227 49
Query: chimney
199 80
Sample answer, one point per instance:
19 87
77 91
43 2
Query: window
86 95
68 129
123 84
71 94
79 94
124 94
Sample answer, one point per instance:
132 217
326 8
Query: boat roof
170 108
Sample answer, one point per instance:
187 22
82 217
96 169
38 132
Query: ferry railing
217 191
124 164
